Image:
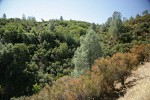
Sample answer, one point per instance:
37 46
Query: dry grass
141 81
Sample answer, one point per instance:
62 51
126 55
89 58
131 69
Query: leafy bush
84 87
36 88
143 52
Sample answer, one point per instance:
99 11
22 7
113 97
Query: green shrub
36 88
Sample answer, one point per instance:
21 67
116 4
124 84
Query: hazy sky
86 10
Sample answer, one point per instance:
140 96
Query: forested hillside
36 54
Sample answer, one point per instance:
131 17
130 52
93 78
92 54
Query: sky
97 11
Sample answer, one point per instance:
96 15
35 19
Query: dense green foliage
127 33
36 52
33 54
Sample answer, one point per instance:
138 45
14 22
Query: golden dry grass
141 81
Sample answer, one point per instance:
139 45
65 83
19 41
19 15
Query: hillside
37 54
138 84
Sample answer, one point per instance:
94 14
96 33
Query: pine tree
86 54
131 18
23 17
145 12
93 26
138 16
61 18
4 15
52 25
116 24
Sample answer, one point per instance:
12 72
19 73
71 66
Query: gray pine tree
116 24
52 25
4 15
86 54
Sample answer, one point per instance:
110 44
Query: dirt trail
138 84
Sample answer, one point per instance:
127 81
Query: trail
138 84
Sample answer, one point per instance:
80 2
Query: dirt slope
138 84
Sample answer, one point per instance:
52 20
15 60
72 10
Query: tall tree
86 54
23 17
52 25
109 20
61 18
116 24
145 12
4 15
131 18
93 26
138 16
